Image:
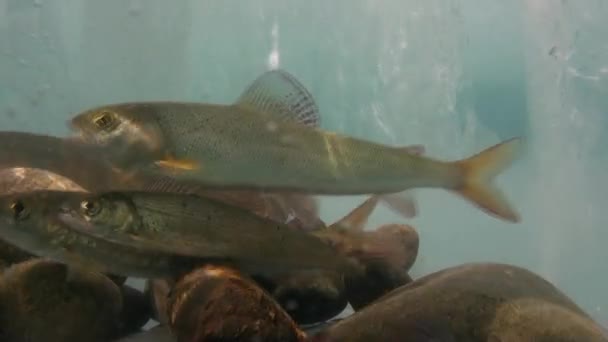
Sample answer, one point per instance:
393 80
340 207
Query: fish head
28 220
98 213
128 130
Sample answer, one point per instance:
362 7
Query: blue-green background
456 76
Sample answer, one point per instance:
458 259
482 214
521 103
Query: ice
453 75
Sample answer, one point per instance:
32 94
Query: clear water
453 75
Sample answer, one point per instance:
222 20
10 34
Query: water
453 75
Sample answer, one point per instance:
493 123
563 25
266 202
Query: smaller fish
385 253
150 234
393 245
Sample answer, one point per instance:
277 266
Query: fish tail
479 171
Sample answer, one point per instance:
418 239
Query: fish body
254 144
153 234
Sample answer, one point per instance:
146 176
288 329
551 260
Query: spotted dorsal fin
281 95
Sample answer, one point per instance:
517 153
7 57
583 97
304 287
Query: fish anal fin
402 203
280 95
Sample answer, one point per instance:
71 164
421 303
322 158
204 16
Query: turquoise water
456 76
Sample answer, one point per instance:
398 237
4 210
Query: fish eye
19 210
90 208
104 121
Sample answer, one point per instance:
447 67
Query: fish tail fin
479 171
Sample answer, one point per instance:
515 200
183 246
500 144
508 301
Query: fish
256 142
393 245
386 253
36 160
149 235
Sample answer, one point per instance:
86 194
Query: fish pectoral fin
178 164
281 96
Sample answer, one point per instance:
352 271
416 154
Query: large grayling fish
269 139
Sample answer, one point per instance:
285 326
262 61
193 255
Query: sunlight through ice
273 57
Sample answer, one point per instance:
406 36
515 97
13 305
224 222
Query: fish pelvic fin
478 173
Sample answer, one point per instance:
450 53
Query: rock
219 304
39 302
471 302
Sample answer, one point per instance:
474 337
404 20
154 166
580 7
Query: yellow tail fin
479 171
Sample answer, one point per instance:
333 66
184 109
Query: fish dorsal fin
282 96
